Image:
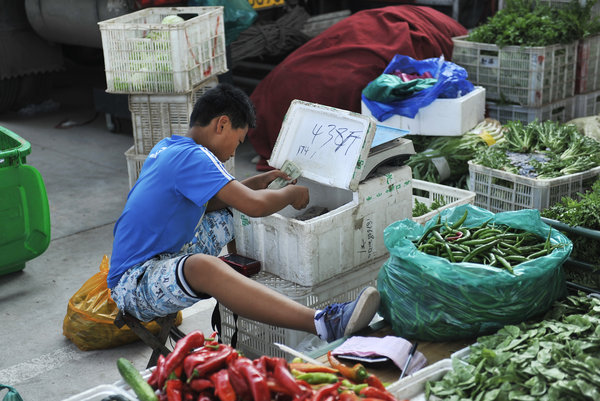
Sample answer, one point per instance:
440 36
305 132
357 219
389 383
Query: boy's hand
262 181
300 194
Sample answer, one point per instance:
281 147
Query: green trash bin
24 211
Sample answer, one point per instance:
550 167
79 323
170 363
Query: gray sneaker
343 319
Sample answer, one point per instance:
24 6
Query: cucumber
132 376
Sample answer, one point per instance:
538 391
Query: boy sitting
176 221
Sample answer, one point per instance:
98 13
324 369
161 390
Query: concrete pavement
86 178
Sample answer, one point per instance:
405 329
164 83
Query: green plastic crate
24 211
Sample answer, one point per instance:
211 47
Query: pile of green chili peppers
489 244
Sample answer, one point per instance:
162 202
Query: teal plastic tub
24 211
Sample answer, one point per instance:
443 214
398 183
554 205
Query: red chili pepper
458 235
161 376
188 395
311 367
223 388
256 382
326 391
196 358
240 386
215 362
182 348
357 373
374 381
285 378
261 364
349 395
200 384
153 379
204 396
174 390
374 392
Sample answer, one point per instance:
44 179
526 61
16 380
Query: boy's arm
262 202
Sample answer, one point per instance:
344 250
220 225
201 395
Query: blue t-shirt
166 203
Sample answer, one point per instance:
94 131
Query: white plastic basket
413 387
527 76
561 111
135 162
588 64
587 104
142 55
255 339
450 196
500 191
158 116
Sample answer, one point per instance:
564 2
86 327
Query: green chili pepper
318 377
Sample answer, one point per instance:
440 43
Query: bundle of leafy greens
557 358
445 158
541 150
421 208
534 23
584 211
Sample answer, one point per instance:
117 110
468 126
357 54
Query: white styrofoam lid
329 145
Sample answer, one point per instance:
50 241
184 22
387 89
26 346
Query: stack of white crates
330 257
536 82
587 88
164 68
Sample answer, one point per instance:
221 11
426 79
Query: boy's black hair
224 99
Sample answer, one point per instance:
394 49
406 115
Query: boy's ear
221 122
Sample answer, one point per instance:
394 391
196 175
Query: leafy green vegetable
533 23
420 208
557 358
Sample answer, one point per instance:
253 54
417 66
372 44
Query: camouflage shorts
157 287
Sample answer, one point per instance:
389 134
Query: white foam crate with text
527 76
561 111
413 387
157 116
142 55
588 63
427 192
587 104
330 147
135 162
443 117
501 191
255 339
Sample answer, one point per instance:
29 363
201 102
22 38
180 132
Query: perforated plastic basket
158 116
527 76
142 55
428 192
255 339
588 64
500 191
587 104
561 111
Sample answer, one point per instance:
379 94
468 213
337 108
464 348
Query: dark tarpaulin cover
335 66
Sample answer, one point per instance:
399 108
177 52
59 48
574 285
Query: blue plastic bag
451 83
429 298
238 15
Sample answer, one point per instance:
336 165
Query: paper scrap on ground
395 348
291 170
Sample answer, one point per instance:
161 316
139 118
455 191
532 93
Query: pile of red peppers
200 369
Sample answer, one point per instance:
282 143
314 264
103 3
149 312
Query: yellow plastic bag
91 313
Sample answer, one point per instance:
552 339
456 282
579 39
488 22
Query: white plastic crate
443 117
450 196
500 191
588 64
413 387
587 104
561 111
135 162
158 116
255 339
527 76
141 55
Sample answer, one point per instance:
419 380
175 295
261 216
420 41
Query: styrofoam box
527 76
330 147
450 196
501 191
100 392
158 116
255 339
587 104
135 162
443 117
588 63
561 111
142 55
413 387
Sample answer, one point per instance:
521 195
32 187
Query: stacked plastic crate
164 59
536 82
587 85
